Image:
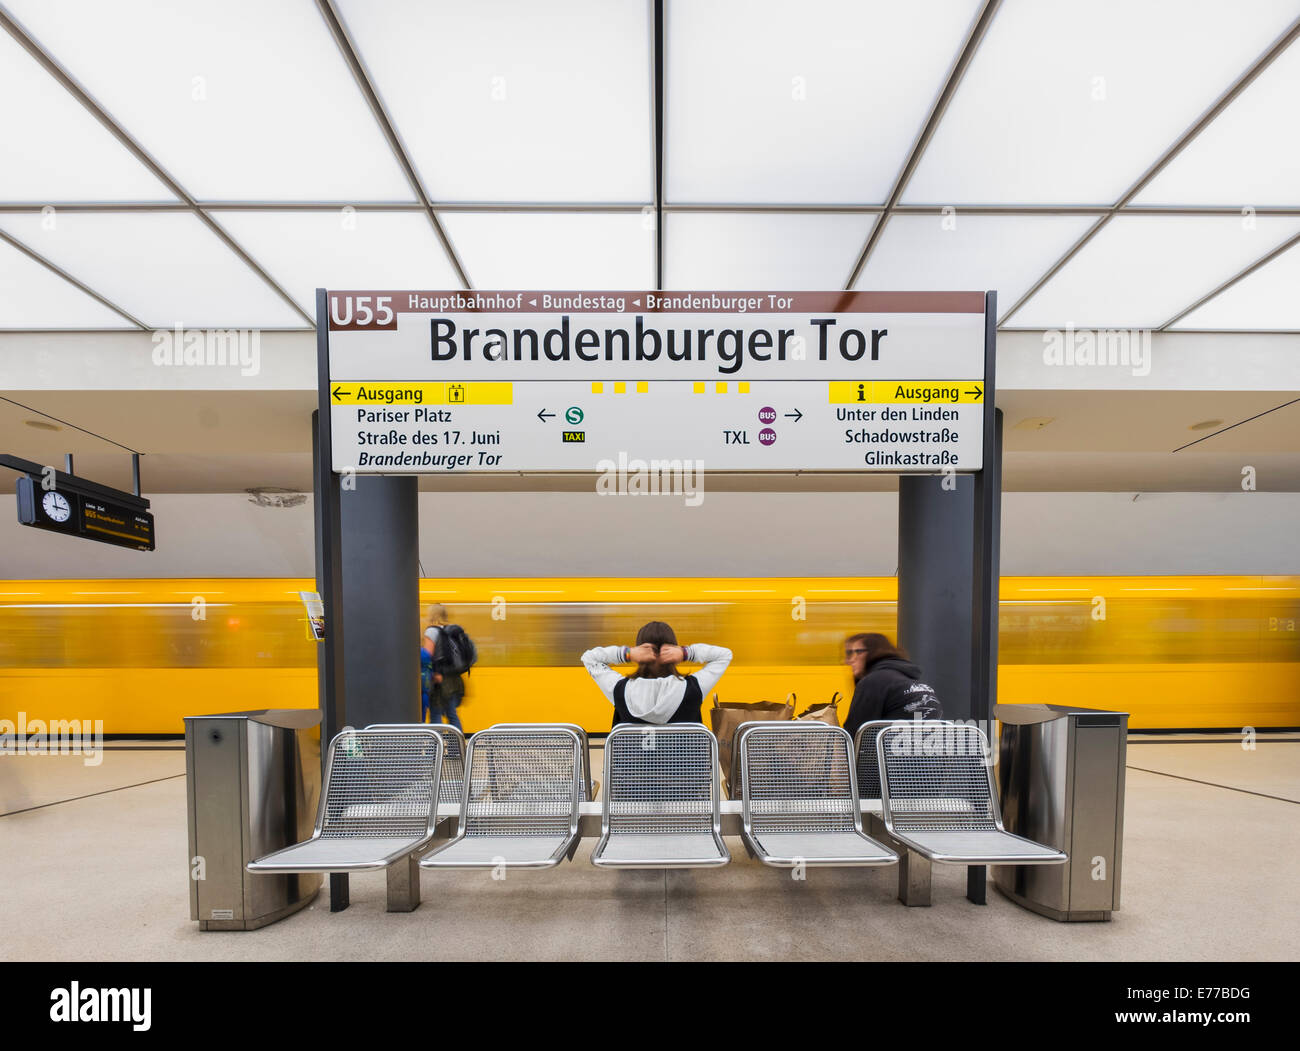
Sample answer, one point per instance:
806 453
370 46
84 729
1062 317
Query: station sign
533 381
83 514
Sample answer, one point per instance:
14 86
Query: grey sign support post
367 543
985 575
329 572
948 530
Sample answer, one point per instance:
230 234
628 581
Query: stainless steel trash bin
1061 781
253 781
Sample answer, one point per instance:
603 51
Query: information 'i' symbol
862 392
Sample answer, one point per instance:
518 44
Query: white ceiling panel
800 103
1007 253
32 296
1141 270
1249 154
52 149
237 100
303 251
166 268
554 250
745 251
1069 102
512 100
1267 299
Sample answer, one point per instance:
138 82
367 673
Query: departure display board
84 515
529 381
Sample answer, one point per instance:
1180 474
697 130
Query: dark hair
657 634
877 646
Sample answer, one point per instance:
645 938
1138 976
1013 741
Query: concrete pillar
381 600
936 552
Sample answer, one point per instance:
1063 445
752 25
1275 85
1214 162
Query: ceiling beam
657 99
92 106
636 207
1200 124
79 285
964 56
1285 246
362 77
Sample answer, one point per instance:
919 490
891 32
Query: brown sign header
371 310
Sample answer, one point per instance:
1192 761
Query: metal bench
519 801
864 747
938 798
589 787
800 797
378 810
661 799
452 776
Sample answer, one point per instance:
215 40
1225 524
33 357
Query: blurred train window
235 635
1247 624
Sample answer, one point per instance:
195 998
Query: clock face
56 506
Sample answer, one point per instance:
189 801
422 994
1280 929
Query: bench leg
913 870
340 892
976 885
913 878
404 885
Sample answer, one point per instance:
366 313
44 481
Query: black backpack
458 650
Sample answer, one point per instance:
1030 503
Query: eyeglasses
853 653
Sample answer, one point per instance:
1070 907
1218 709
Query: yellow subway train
1176 652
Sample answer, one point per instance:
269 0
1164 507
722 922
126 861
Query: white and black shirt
658 701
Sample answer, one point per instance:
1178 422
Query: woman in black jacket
888 684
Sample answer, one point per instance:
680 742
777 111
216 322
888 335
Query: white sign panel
424 382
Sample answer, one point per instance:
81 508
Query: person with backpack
888 685
450 655
656 692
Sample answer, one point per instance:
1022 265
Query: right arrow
978 392
796 414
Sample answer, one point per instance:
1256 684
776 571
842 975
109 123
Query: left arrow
338 393
544 415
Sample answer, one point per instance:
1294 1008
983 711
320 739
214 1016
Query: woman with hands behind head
656 692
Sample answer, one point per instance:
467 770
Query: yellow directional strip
487 393
907 392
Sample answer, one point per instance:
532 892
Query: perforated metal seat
589 787
378 806
519 802
452 775
661 799
864 748
938 797
800 797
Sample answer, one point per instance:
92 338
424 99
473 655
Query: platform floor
93 867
